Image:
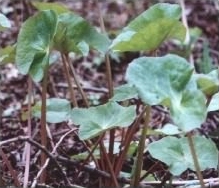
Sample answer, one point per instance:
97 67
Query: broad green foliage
159 78
56 7
75 34
208 83
150 29
95 120
188 111
124 92
214 104
57 110
166 80
34 43
175 152
7 55
4 22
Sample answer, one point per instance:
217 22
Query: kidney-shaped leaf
151 28
159 78
75 34
176 153
4 22
34 42
57 110
166 80
95 120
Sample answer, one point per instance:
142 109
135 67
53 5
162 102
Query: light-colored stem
43 131
139 160
27 145
71 89
109 81
77 81
195 160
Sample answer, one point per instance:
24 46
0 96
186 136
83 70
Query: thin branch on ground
48 159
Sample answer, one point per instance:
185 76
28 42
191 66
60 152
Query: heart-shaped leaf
4 22
34 43
208 83
57 110
159 78
150 29
176 153
56 7
166 81
124 92
75 34
95 120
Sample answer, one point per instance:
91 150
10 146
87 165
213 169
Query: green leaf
208 83
56 7
166 81
75 34
34 43
4 22
7 54
214 104
169 129
95 120
159 78
57 110
150 29
189 110
124 92
176 153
